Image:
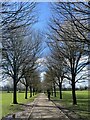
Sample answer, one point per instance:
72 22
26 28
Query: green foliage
8 107
82 102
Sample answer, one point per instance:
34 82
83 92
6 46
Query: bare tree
17 51
78 14
48 81
17 56
32 65
36 83
56 67
72 55
64 40
22 13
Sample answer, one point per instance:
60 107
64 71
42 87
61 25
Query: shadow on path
71 114
39 109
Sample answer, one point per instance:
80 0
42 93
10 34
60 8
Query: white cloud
42 75
42 61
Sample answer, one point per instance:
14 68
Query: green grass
82 102
7 99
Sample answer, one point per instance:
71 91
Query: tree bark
14 92
54 89
30 91
26 91
8 91
60 89
33 91
73 92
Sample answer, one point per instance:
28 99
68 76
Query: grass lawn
7 99
82 102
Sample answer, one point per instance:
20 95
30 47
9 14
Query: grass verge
8 107
82 102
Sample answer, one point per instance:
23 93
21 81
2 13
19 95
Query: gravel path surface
40 108
46 109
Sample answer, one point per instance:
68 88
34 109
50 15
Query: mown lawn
7 99
82 102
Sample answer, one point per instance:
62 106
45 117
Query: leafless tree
18 56
78 14
36 83
56 66
22 13
48 82
33 65
64 40
17 51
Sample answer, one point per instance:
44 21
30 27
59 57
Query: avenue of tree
68 41
21 46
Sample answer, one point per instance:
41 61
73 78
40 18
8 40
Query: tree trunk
14 92
8 91
33 91
73 93
54 89
60 89
26 91
30 91
73 82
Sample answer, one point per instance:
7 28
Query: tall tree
17 56
16 19
63 38
57 69
78 14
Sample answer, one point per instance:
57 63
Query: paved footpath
40 108
46 109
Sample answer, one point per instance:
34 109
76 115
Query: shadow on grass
74 112
16 108
68 111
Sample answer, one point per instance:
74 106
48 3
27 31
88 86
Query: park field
7 99
82 106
